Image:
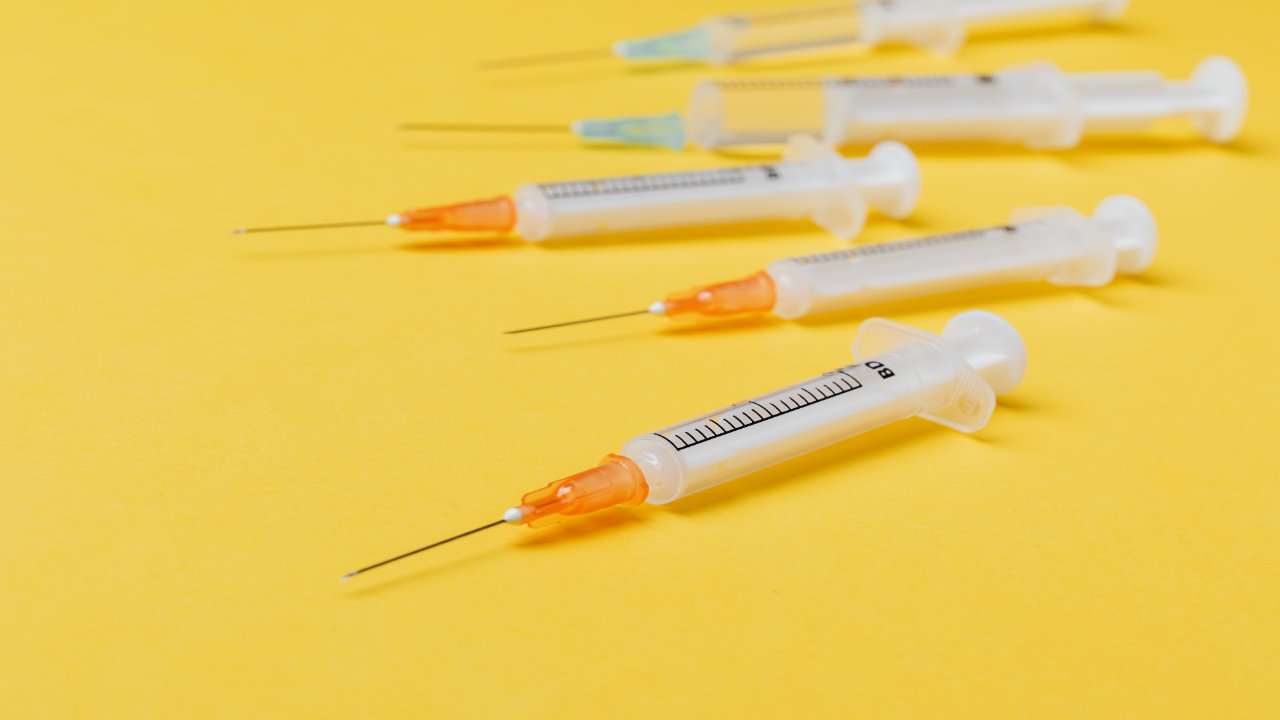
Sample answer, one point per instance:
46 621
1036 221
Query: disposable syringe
1037 105
900 372
1055 244
938 25
812 181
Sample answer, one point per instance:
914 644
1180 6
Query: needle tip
438 543
238 231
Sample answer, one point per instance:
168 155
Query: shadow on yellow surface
664 236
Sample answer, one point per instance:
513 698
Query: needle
484 127
438 543
545 59
321 226
646 311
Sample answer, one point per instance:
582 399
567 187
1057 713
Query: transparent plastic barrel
904 372
702 197
1058 245
765 111
769 429
939 25
739 37
811 182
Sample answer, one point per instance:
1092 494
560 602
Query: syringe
1055 244
938 25
812 181
1037 105
900 372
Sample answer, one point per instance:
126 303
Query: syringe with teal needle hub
899 372
1037 105
938 25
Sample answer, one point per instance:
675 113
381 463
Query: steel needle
438 543
319 226
646 311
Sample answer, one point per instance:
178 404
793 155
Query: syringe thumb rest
1119 237
977 356
888 179
1225 82
615 481
1131 227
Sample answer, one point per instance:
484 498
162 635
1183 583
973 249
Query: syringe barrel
1031 105
902 372
740 37
1054 244
750 111
811 182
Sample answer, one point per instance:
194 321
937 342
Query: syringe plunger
1037 105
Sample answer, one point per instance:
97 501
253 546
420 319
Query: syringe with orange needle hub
1055 244
900 372
812 181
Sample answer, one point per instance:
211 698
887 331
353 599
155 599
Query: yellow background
201 431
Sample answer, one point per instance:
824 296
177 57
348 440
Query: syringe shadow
487 142
757 229
840 456
768 229
593 70
833 61
536 343
1090 148
1065 28
494 242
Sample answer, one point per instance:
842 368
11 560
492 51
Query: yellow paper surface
199 432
